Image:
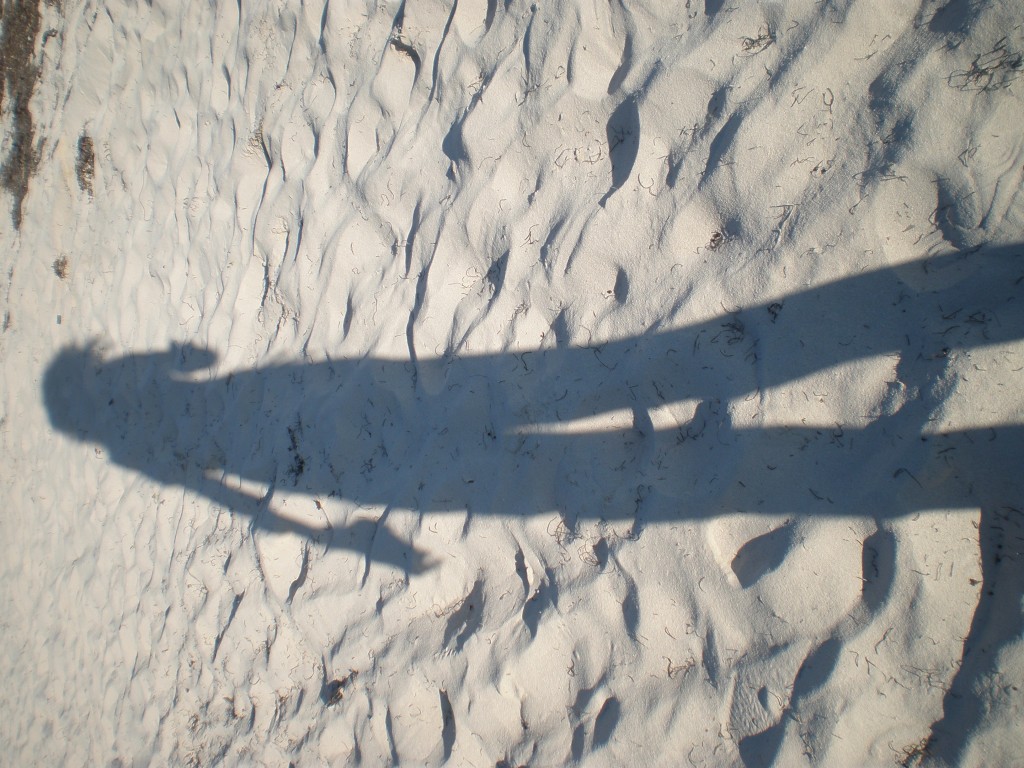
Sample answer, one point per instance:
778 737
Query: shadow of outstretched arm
370 538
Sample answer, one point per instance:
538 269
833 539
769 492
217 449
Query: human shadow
640 429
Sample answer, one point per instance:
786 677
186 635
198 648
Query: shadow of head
69 391
101 400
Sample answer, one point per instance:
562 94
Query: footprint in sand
399 68
822 661
762 555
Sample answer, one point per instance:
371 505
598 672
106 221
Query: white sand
612 385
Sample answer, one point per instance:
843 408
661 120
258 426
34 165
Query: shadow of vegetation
487 434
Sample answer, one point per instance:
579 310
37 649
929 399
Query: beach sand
512 384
